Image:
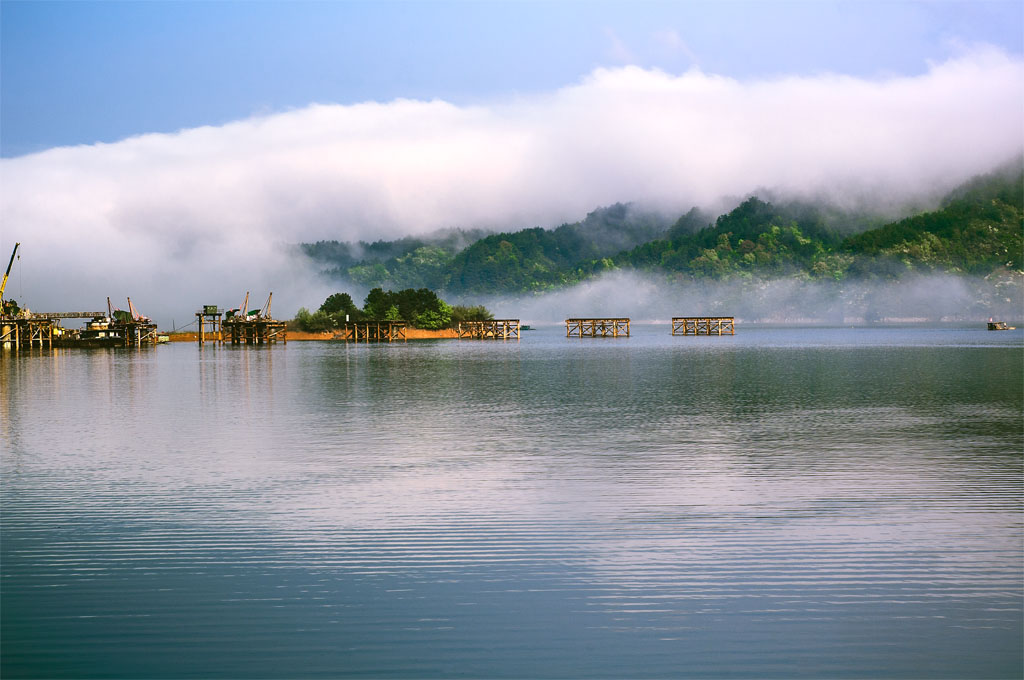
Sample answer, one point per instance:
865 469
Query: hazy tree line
978 229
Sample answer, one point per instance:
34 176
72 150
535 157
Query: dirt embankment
421 334
410 334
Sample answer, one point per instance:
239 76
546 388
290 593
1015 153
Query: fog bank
644 297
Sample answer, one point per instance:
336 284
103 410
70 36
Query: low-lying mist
643 297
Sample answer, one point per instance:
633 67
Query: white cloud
178 220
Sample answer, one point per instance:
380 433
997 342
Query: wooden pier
703 325
597 328
377 331
492 329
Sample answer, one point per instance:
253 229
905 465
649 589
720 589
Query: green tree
420 307
476 313
313 323
435 319
341 309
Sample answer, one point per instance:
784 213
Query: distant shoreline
302 336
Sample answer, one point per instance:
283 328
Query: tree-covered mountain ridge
978 229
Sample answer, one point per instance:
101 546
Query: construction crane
3 284
136 314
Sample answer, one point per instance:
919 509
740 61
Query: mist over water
931 298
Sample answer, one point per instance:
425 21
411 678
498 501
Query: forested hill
979 229
529 259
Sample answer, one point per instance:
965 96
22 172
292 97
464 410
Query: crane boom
3 284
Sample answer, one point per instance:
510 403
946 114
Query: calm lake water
782 503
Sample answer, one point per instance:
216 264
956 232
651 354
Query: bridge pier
593 328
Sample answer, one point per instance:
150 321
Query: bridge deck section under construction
492 329
597 328
385 331
703 325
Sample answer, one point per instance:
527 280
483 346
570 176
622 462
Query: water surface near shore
781 503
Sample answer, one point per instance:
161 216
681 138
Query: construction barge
24 329
115 328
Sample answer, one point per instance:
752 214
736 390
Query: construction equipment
3 284
136 314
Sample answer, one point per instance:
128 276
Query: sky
84 72
147 142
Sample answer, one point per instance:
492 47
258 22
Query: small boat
999 326
527 328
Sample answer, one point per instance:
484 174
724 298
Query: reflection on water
839 502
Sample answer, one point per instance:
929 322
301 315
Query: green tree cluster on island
421 308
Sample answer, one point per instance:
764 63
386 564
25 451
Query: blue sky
85 72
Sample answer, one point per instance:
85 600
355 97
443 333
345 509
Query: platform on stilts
373 331
492 329
241 331
209 321
27 332
597 328
242 326
703 325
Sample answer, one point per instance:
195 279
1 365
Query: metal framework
703 325
492 329
597 328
